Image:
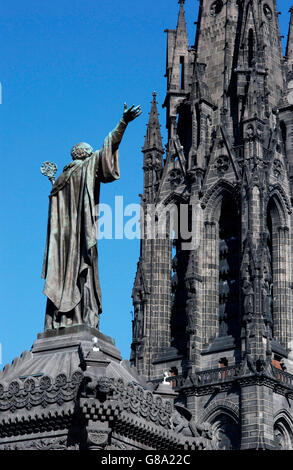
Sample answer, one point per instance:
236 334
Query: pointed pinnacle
181 24
154 103
289 47
153 136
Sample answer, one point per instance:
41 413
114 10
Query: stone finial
289 46
153 138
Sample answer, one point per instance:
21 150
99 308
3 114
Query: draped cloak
71 247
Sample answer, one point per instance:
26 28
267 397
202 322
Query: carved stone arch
283 430
278 194
175 198
212 200
220 406
278 249
275 207
284 414
221 245
223 418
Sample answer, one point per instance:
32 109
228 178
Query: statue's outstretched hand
131 113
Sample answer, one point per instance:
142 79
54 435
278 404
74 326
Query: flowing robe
70 262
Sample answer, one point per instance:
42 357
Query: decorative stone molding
277 191
42 391
133 399
97 436
222 164
217 190
175 177
219 405
278 169
47 443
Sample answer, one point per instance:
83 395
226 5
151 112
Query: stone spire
178 52
181 25
152 154
153 138
181 30
289 48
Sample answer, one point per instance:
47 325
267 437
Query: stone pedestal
74 391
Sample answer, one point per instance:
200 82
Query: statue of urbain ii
70 263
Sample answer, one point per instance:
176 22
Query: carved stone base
98 435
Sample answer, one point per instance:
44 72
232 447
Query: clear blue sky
67 66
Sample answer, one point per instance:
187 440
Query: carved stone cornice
38 403
45 443
132 399
42 421
41 391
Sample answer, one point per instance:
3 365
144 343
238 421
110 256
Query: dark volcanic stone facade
217 313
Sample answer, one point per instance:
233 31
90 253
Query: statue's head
81 151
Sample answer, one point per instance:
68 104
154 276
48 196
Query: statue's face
81 151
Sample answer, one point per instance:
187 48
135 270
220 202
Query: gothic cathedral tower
213 297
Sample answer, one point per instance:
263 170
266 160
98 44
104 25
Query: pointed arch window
250 48
284 134
229 268
268 288
182 84
275 299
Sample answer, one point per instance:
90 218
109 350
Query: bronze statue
71 257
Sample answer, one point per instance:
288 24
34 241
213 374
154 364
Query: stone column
256 416
281 271
211 273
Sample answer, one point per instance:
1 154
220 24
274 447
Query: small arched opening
226 432
283 128
229 268
250 48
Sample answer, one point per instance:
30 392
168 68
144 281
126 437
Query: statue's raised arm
71 258
108 164
131 113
